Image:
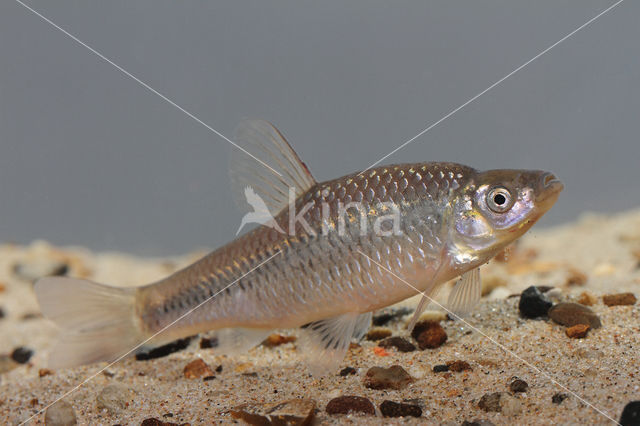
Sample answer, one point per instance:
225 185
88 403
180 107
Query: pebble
196 369
387 315
577 331
458 366
378 333
429 335
499 293
619 299
440 368
435 316
21 355
38 267
394 377
559 397
399 409
630 414
208 342
60 414
570 314
278 339
533 303
164 350
589 353
500 402
293 412
587 299
156 422
491 402
399 343
347 371
518 385
604 269
576 277
349 404
44 372
2 314
477 422
114 398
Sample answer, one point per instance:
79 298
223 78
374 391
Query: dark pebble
429 334
533 303
440 368
347 371
518 385
206 342
399 409
164 350
219 369
399 343
388 315
559 397
378 333
350 404
570 314
477 422
2 314
156 422
21 355
631 414
208 378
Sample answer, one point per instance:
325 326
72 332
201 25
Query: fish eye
499 199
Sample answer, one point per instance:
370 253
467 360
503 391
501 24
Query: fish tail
97 322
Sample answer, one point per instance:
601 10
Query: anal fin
236 341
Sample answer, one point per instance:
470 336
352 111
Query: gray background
89 157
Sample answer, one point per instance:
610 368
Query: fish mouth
548 189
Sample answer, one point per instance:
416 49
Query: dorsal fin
279 167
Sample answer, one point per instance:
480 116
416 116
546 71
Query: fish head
496 207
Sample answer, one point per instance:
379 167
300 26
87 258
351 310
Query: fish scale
291 265
334 252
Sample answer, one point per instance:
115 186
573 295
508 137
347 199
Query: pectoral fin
466 293
422 305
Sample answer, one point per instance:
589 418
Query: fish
331 254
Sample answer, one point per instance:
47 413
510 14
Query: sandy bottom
600 373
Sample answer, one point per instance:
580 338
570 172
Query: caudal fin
97 322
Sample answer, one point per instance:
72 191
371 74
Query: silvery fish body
335 252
